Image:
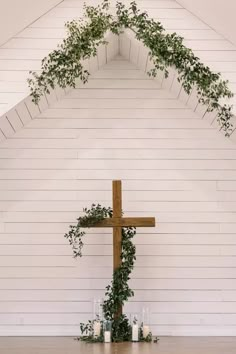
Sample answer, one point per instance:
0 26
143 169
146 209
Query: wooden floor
166 345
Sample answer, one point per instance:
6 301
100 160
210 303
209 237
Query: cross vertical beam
117 231
117 222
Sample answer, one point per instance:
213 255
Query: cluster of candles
97 328
107 325
97 325
144 325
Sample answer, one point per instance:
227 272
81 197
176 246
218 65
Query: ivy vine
118 292
65 64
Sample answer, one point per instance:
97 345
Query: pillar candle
107 336
135 333
96 329
146 331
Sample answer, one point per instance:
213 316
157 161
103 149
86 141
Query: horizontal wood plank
121 125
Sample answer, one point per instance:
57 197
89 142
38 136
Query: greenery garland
65 64
118 292
168 50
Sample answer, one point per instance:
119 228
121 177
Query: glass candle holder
107 331
98 309
97 316
96 328
145 322
135 328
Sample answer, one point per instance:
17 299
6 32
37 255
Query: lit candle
96 329
146 331
135 333
107 336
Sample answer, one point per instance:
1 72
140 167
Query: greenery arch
64 65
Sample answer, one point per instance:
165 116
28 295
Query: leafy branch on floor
64 65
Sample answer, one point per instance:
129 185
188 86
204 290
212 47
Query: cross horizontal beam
126 222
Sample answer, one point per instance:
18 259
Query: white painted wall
15 15
219 14
174 166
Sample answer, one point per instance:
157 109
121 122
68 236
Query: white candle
135 333
107 336
146 331
96 329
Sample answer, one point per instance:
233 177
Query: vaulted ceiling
25 50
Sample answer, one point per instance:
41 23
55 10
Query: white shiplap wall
174 166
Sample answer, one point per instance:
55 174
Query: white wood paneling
121 125
174 166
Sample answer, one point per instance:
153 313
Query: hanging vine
65 64
118 292
168 50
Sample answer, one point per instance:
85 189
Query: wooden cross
117 222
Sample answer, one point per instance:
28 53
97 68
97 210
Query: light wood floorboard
166 345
